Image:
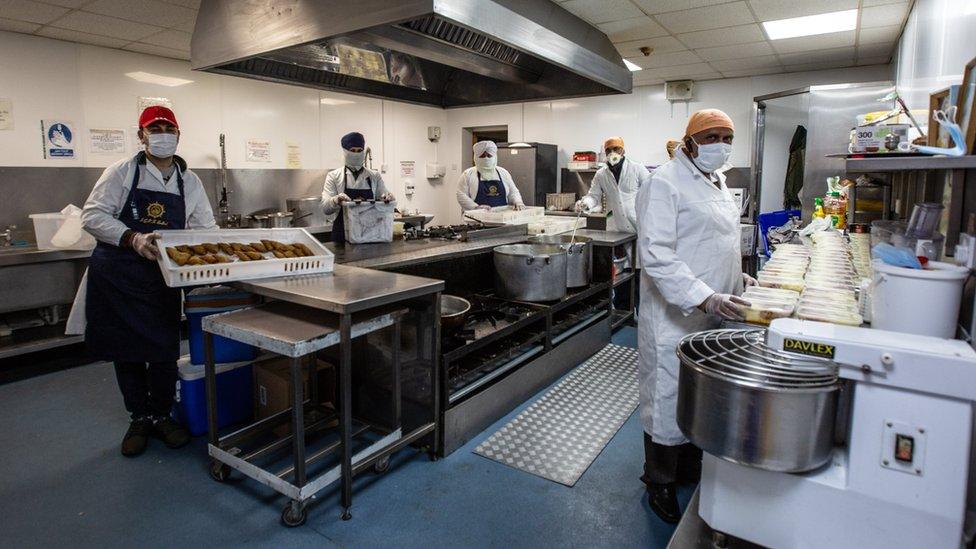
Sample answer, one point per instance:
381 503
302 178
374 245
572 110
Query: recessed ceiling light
634 67
150 78
810 25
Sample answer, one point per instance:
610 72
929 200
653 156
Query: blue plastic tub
235 395
770 220
207 301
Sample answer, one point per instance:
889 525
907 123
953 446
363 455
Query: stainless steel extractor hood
447 53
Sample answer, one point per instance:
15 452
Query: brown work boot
135 439
170 432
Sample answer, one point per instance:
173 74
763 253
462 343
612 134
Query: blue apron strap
129 202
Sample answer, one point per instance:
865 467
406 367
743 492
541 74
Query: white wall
934 48
783 115
50 79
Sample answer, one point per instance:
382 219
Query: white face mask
162 145
614 158
354 160
713 156
486 166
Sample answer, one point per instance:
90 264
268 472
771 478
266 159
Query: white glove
339 199
518 207
144 245
387 197
581 206
726 306
748 281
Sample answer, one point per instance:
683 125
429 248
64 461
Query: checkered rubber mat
559 435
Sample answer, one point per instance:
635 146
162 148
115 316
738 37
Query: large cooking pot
454 310
579 251
748 403
269 219
530 272
308 211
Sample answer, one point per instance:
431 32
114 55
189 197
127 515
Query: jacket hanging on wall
794 169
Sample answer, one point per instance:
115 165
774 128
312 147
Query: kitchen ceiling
696 39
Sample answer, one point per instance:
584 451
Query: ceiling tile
18 26
818 42
832 54
819 66
174 39
883 16
681 71
752 72
712 17
195 4
33 12
151 12
641 79
73 4
743 34
762 61
875 50
873 61
105 26
158 50
603 11
771 10
661 44
656 60
878 35
868 3
662 6
82 37
739 51
632 29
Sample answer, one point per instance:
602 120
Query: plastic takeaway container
917 301
203 302
235 395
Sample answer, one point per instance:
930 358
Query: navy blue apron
490 192
339 224
132 315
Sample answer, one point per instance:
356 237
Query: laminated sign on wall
257 151
293 157
106 141
407 168
58 139
6 114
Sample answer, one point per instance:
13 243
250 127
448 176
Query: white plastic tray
552 224
191 275
507 215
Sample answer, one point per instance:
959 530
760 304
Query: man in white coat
353 181
688 240
486 185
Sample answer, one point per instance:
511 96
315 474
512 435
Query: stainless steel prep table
356 295
401 253
629 279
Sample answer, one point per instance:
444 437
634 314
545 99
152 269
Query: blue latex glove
896 255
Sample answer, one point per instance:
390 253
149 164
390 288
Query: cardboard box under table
298 332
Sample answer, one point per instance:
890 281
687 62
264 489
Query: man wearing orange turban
691 274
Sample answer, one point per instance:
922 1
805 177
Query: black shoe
690 474
135 439
663 499
171 432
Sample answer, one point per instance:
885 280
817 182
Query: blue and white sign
58 139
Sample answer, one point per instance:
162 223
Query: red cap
155 114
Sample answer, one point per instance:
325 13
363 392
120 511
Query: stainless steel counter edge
16 255
607 238
441 253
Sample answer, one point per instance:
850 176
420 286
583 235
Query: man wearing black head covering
353 181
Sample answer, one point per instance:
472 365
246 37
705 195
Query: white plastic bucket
924 302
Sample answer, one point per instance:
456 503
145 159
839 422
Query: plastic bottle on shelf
818 208
835 208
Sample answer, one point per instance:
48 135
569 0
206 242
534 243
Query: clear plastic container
57 231
925 219
787 283
820 314
764 312
771 293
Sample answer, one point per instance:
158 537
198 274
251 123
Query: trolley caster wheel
346 515
432 456
382 466
219 471
291 518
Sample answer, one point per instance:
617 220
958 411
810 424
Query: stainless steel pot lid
742 356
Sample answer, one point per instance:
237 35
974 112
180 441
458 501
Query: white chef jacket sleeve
198 206
657 204
379 185
512 193
630 201
465 201
594 197
333 182
101 211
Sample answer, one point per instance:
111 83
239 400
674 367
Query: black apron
132 315
339 224
491 192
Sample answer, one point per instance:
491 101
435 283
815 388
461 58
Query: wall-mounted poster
6 114
293 157
59 138
106 141
257 150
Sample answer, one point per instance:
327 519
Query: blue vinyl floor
64 483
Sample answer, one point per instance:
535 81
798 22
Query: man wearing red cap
688 237
133 318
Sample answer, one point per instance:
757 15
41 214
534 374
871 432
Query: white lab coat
621 196
467 188
101 212
340 179
688 237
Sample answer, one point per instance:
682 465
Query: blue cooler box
211 300
235 395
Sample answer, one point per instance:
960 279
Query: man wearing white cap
485 185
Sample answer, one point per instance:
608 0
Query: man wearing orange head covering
688 241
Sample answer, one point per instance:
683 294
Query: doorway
470 136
